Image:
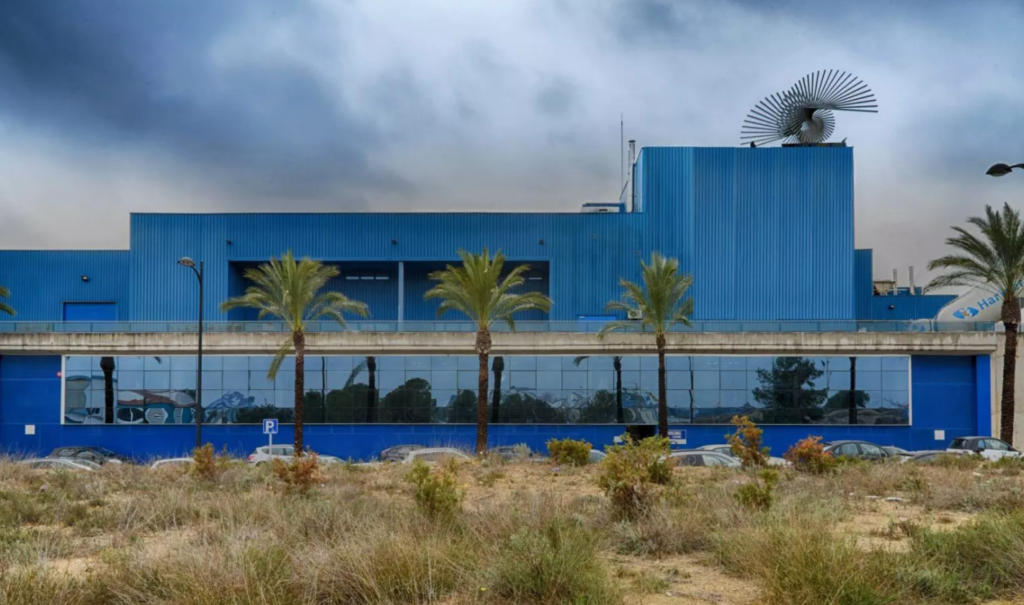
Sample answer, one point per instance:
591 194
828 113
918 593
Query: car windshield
104 451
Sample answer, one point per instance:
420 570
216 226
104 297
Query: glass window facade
525 389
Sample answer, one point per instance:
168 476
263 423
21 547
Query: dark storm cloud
557 98
142 74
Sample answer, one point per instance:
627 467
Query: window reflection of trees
525 390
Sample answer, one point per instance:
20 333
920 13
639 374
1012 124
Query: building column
983 394
401 294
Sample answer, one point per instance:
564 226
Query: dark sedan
98 455
862 450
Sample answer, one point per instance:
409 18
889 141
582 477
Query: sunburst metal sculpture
803 114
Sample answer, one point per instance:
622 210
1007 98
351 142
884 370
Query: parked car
726 450
856 449
60 463
285 453
896 452
702 458
597 456
397 453
989 448
512 452
169 462
98 455
929 456
436 454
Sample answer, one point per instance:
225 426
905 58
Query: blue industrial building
767 233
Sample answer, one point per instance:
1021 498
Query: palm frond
993 260
279 357
660 298
479 290
5 308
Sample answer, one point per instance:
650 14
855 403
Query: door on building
90 311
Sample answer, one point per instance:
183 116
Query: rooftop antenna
803 113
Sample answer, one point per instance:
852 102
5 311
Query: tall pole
199 364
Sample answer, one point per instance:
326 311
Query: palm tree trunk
619 413
107 365
1011 319
299 340
498 366
483 349
371 389
662 388
853 390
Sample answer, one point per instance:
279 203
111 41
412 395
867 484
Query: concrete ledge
461 343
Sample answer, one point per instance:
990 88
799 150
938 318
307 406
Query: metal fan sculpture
803 114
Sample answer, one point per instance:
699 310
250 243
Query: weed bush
300 475
437 491
758 495
553 565
981 560
800 560
746 442
630 471
809 455
570 452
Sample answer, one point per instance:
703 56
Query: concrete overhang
533 343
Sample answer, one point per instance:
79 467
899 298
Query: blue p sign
270 426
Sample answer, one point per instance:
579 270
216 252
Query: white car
60 463
702 458
436 454
169 462
726 450
285 453
988 448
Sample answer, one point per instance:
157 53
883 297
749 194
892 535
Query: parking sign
270 426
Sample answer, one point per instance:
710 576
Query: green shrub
759 495
746 442
630 471
569 451
981 560
555 564
800 560
809 455
1007 465
437 491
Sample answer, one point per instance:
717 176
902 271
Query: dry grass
525 533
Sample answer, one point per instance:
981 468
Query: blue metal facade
904 305
945 389
42 281
766 233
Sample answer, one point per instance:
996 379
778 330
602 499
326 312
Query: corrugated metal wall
586 252
905 306
41 281
767 234
864 283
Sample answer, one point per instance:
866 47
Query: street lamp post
198 409
1002 169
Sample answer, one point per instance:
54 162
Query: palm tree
290 291
995 261
617 365
4 308
660 303
498 367
478 291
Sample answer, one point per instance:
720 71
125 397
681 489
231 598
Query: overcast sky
114 106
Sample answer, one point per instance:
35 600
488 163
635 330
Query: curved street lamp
1002 169
198 410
